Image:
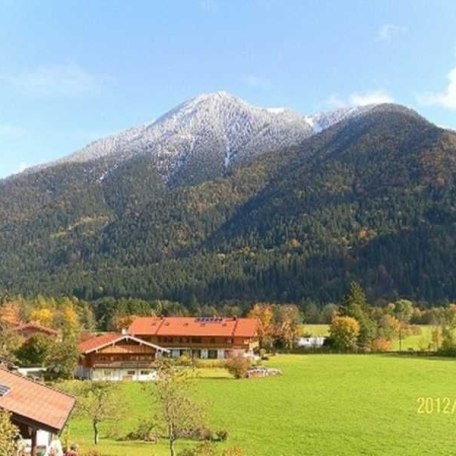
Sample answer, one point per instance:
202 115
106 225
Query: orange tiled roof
191 326
105 340
45 406
97 341
37 326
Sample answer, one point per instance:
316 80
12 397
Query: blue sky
73 71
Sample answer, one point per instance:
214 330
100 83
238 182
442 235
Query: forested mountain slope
371 198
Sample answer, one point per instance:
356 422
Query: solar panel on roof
4 390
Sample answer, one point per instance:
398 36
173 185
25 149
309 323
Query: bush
221 435
185 360
233 451
238 366
209 363
381 345
143 432
203 449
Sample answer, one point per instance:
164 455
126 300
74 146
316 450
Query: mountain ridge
219 126
371 198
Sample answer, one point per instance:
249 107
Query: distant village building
204 337
311 342
27 330
118 357
37 410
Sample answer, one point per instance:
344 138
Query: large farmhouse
206 337
118 357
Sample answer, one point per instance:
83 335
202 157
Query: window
212 354
229 341
131 372
212 340
4 390
145 372
196 340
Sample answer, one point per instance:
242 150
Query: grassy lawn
415 342
322 405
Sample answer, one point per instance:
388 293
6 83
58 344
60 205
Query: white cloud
389 31
335 102
370 97
360 99
256 81
60 80
445 99
21 167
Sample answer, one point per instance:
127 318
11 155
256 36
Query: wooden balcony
124 364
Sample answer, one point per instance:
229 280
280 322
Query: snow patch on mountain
213 129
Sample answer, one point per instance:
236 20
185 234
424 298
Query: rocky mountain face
205 136
218 201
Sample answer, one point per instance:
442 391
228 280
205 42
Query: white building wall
118 375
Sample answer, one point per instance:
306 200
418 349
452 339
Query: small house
36 409
117 357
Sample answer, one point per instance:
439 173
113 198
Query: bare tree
100 402
179 412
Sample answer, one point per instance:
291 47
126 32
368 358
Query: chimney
124 331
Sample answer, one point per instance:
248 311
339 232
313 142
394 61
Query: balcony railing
124 364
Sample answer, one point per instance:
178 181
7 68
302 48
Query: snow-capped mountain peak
211 131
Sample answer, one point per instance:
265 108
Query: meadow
411 342
323 405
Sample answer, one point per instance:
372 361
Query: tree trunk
96 434
172 451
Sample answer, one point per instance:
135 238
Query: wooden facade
118 357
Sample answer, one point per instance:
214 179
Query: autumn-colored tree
121 322
264 313
287 319
381 344
44 316
344 333
10 313
9 342
9 435
388 327
69 321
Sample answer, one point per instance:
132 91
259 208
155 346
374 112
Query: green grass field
323 405
414 342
